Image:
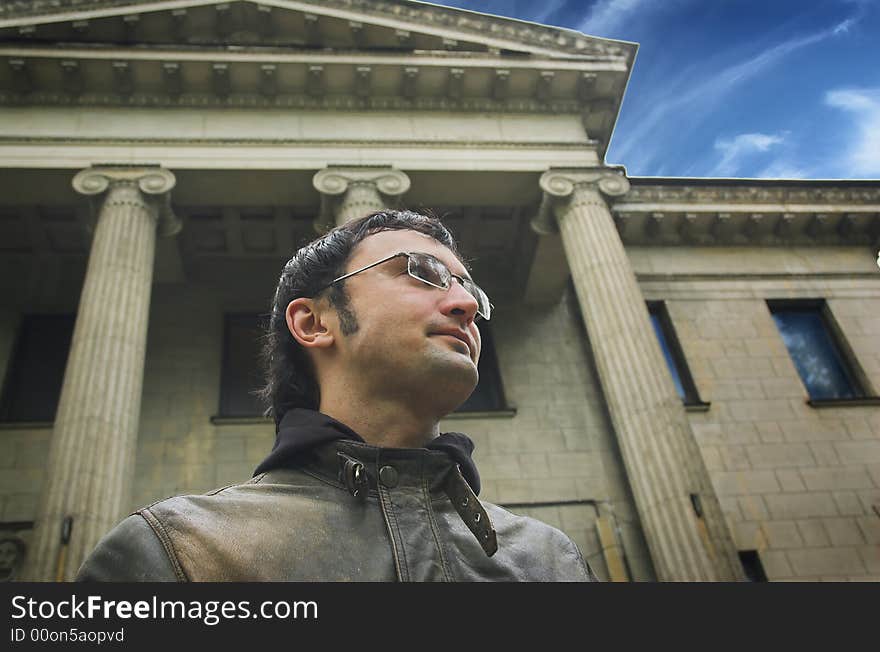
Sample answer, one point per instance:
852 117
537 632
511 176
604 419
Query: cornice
479 26
726 275
730 213
30 8
762 225
748 194
747 212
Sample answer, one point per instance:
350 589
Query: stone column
679 511
91 456
350 193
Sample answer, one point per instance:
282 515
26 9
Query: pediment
370 25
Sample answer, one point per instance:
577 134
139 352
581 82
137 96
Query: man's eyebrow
466 273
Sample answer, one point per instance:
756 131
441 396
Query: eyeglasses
431 271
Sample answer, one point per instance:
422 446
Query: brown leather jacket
347 512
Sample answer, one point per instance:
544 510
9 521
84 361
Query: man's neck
387 424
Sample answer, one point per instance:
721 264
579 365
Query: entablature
748 212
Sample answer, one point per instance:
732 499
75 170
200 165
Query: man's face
412 339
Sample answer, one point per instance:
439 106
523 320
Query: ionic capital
564 186
336 181
348 191
151 184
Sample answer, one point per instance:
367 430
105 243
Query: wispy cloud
861 155
844 27
690 94
737 150
784 169
608 15
547 9
568 10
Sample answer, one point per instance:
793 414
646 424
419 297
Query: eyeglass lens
434 272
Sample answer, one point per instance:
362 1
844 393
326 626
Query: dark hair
289 376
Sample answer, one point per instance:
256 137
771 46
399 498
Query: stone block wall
799 484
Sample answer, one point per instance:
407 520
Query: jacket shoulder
139 549
545 546
131 552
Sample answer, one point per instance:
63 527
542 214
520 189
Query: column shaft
91 456
663 461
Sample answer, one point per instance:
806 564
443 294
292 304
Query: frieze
338 102
299 142
551 38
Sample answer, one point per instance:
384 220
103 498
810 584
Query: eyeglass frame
462 280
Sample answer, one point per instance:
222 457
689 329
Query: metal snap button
388 476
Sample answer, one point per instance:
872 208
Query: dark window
672 352
752 566
817 348
489 394
33 381
241 374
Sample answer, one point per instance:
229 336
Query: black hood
301 429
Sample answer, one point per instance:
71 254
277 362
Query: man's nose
459 301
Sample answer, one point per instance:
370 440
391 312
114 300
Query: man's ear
308 323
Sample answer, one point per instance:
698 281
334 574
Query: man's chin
455 396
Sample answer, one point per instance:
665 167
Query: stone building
681 374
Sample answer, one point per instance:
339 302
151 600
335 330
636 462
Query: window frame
753 566
858 379
691 400
15 365
226 370
488 357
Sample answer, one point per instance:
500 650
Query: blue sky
736 88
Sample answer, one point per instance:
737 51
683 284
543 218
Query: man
372 340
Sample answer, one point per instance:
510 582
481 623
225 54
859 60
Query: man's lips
459 336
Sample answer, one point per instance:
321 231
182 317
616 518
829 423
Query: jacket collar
301 430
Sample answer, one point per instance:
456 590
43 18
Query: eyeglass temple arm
363 269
